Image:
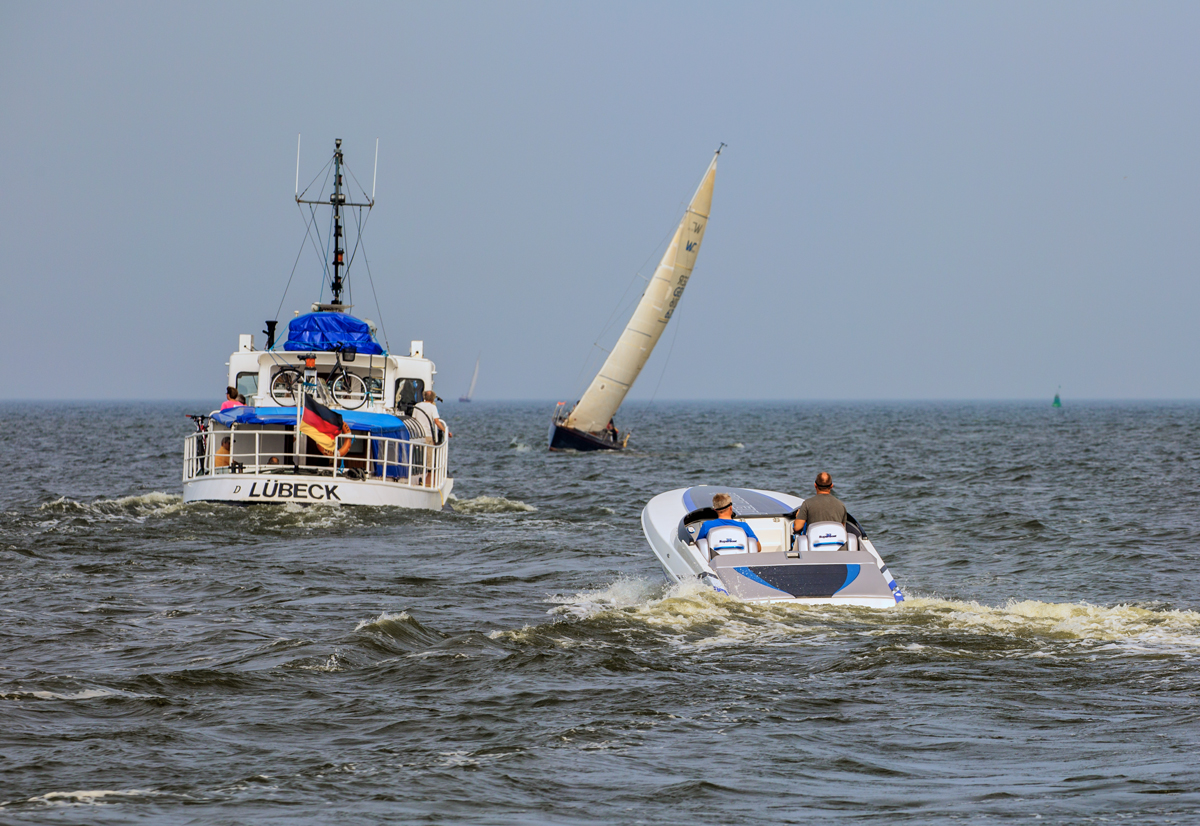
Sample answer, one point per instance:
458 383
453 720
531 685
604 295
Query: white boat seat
829 536
727 539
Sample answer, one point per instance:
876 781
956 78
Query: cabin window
409 392
247 384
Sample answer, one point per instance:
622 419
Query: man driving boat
725 535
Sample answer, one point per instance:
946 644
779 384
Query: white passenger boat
827 564
330 414
589 424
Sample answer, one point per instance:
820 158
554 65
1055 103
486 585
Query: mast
608 389
337 200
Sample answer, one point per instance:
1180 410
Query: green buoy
1057 401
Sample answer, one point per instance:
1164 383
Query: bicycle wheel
287 386
348 390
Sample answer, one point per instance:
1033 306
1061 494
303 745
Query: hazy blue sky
918 201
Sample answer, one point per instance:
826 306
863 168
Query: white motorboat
330 416
826 564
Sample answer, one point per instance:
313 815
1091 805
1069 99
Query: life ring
346 444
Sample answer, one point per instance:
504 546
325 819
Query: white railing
399 461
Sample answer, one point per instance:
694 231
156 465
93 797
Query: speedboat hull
854 574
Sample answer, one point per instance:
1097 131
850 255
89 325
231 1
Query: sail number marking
683 280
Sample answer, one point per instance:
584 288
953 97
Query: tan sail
655 309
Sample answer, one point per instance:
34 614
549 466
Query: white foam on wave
90 797
490 504
625 592
293 516
330 665
1062 620
692 614
382 619
85 694
137 507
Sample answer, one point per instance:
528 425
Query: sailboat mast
337 199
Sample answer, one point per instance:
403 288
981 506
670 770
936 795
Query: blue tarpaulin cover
376 424
330 331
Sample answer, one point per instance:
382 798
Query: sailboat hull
567 438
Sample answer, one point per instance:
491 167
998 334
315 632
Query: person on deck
726 535
431 412
231 398
824 507
610 430
222 457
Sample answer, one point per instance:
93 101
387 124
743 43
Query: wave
85 694
693 614
625 592
1060 620
401 631
135 507
490 504
91 797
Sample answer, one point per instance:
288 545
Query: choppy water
522 661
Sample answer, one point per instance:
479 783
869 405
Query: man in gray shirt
824 507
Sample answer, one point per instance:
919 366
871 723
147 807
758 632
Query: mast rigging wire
617 311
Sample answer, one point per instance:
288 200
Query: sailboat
471 389
589 424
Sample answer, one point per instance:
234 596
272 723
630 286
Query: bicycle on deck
346 389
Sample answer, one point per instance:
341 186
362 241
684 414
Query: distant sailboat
589 425
471 389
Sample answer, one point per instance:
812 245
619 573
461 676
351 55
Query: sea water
522 660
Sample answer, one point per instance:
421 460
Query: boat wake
490 504
691 612
137 508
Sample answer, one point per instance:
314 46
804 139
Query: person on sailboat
725 535
610 430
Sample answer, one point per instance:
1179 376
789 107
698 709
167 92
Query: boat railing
410 462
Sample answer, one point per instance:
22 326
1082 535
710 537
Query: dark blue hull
566 438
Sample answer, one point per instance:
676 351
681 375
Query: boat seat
726 539
827 536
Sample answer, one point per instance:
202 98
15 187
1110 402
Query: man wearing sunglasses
725 535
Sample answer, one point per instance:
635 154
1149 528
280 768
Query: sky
919 201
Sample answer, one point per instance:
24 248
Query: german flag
320 424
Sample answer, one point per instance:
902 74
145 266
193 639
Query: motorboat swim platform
826 564
329 415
